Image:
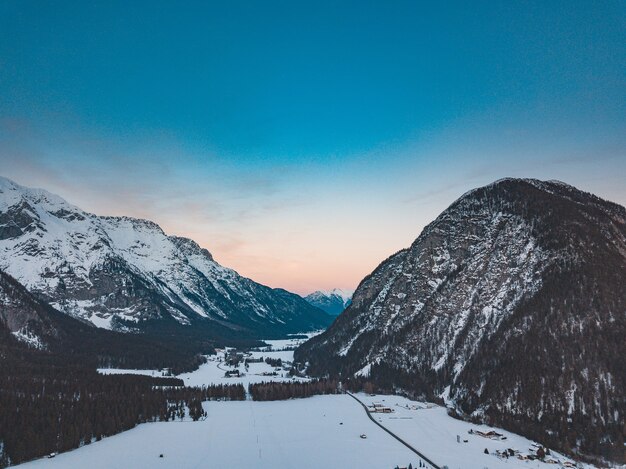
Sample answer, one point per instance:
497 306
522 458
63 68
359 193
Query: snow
213 371
99 321
432 431
290 342
12 193
62 242
346 348
297 433
122 371
303 433
321 431
29 338
546 186
365 371
344 294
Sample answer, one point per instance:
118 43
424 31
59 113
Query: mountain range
50 333
510 307
332 301
126 274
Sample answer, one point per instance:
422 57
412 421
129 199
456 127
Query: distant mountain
332 301
126 274
511 305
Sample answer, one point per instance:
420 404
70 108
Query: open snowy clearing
303 433
214 370
429 428
321 431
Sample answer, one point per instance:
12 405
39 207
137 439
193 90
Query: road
434 466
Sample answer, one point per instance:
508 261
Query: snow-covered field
214 370
321 431
302 433
429 429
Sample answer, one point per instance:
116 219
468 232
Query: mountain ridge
119 272
514 266
36 325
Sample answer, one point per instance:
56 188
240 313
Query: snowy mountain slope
23 315
511 304
119 272
332 301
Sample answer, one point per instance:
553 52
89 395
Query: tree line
278 391
48 404
275 362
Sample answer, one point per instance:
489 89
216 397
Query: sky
302 143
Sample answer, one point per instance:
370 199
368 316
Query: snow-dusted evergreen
511 305
332 301
120 273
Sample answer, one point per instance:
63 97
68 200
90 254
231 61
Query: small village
234 358
535 452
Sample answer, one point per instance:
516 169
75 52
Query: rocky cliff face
123 273
23 315
511 305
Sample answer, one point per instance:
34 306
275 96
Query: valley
318 431
469 349
312 235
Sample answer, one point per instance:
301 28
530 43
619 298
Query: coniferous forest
279 391
49 404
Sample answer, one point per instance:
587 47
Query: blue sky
304 142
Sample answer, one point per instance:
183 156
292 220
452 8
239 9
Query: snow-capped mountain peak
344 294
118 272
332 301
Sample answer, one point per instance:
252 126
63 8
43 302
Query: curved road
435 466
